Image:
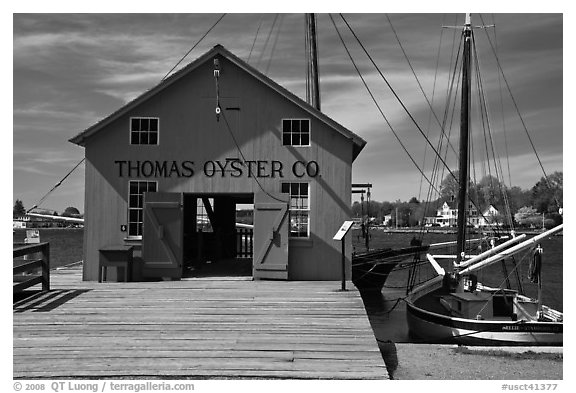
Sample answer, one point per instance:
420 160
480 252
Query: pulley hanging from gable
216 77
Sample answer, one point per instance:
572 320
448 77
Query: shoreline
447 231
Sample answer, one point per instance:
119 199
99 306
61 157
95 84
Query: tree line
536 206
19 210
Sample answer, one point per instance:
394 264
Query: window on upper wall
144 130
136 190
296 132
299 208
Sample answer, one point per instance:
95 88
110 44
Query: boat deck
194 329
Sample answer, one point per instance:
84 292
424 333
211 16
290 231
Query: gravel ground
448 362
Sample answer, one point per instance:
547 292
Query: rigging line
481 111
56 186
395 94
486 127
307 58
456 76
518 112
469 194
397 97
502 107
267 40
274 44
376 102
454 35
475 203
432 112
194 46
433 96
229 129
450 88
255 38
507 278
454 56
495 154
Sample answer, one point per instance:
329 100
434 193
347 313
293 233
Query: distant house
447 215
489 217
387 219
20 222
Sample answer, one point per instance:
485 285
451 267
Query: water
65 243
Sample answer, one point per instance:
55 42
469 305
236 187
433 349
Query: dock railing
244 242
23 271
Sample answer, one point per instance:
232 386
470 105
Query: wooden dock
194 329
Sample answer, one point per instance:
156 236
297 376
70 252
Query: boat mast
464 136
314 86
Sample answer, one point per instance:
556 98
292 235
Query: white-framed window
136 190
144 130
296 132
299 208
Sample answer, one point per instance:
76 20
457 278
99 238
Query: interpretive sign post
340 235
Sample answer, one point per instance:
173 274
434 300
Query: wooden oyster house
216 135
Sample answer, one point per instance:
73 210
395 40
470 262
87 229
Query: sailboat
453 307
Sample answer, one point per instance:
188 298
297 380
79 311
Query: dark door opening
217 239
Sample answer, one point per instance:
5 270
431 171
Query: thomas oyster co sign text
230 167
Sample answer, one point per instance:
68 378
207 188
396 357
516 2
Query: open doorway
218 235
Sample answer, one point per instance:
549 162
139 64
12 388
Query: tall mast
314 86
464 136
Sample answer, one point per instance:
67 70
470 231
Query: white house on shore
20 222
447 216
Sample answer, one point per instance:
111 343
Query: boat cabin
469 305
482 305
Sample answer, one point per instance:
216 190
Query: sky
72 70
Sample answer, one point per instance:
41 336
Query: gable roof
358 142
490 207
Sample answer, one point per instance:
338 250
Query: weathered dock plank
221 328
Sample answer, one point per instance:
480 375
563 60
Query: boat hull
374 278
370 270
431 327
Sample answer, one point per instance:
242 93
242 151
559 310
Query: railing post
251 244
46 267
42 263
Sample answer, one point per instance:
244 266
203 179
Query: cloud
71 70
40 157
